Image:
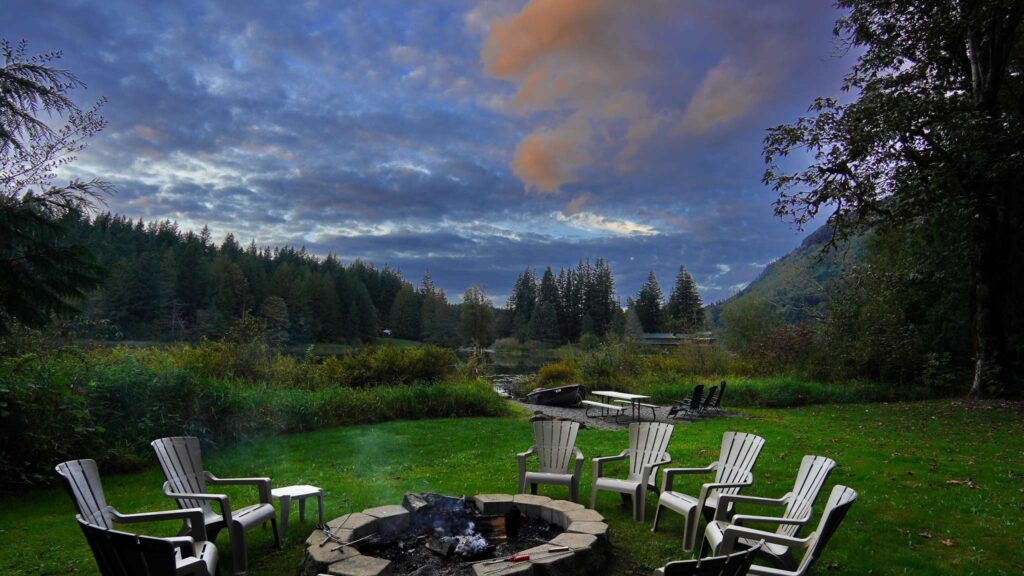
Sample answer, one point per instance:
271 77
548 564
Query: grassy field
941 485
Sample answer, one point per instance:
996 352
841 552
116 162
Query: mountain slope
798 283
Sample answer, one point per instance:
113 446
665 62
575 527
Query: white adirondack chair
839 503
648 449
181 460
122 554
732 471
555 446
799 503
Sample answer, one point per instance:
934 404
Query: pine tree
634 328
405 317
477 317
274 312
522 302
544 324
685 308
648 305
548 291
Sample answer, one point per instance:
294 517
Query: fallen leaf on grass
969 483
948 542
924 534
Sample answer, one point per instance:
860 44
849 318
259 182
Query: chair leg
639 499
690 532
574 490
593 496
238 559
533 488
277 535
657 516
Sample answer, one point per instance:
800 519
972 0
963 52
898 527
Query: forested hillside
167 284
796 285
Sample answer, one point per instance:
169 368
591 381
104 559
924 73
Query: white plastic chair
554 446
119 553
648 445
181 460
799 505
839 503
732 471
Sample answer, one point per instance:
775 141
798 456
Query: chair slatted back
123 554
182 462
735 564
736 459
555 441
82 479
839 503
648 442
712 394
696 397
814 471
721 392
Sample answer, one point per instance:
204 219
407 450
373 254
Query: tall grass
668 375
108 404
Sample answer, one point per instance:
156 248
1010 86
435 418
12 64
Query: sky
468 138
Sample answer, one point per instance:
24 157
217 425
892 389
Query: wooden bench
605 408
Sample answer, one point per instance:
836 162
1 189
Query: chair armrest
262 484
725 502
221 499
649 468
740 519
521 459
733 533
706 488
186 543
579 462
196 522
668 473
598 463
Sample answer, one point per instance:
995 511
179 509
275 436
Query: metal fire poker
521 557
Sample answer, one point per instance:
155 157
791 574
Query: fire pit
484 535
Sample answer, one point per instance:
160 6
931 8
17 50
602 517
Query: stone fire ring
585 533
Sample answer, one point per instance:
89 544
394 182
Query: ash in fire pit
447 533
438 535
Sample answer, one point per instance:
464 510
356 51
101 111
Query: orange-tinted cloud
593 68
545 160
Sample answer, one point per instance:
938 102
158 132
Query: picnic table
635 401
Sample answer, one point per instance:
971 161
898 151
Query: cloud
596 223
548 159
578 56
732 89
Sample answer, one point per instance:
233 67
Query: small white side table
286 494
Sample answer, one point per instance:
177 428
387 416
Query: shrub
108 404
561 372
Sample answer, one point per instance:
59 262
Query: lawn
941 484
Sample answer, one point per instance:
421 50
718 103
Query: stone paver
547 563
503 569
361 566
530 504
493 504
584 515
360 524
391 520
599 529
554 512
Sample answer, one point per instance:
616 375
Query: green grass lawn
910 517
